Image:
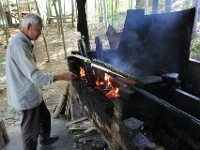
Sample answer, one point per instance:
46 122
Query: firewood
89 138
76 120
82 135
77 128
90 129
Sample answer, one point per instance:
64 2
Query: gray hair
33 19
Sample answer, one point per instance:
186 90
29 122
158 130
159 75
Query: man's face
34 32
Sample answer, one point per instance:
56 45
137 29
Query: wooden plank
89 138
77 128
82 135
82 126
90 129
76 120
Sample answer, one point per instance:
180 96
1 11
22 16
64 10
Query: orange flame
82 72
113 91
116 93
107 80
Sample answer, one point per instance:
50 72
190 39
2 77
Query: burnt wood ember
151 111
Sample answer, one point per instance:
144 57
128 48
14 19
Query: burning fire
112 91
82 72
103 83
107 80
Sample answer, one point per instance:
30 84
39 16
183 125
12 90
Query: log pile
85 134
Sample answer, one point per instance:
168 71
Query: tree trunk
82 22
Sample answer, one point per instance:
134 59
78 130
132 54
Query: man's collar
22 35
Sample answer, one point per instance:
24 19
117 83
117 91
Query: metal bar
106 70
97 66
115 69
162 102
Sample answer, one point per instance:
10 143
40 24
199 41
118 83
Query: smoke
154 44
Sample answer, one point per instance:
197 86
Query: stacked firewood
85 134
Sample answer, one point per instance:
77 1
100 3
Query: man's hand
69 76
65 76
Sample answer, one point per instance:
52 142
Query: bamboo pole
18 11
73 17
196 5
49 10
57 18
112 13
43 36
61 28
105 14
146 6
155 6
168 6
5 24
28 4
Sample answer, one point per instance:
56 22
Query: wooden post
3 134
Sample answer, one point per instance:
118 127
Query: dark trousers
35 122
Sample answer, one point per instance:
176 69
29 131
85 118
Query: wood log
89 138
76 120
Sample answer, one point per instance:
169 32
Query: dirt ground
58 64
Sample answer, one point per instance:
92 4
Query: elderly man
24 82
